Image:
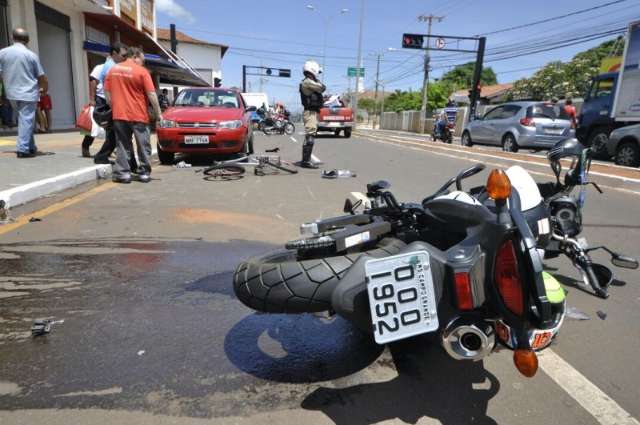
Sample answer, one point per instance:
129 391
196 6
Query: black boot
307 149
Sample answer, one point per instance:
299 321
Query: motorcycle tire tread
278 283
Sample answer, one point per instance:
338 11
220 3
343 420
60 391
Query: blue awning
168 70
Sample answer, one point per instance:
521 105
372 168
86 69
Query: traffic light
412 41
285 73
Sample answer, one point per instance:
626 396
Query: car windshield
208 98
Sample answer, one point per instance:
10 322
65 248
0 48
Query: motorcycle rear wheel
280 282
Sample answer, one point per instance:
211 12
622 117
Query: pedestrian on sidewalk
24 82
163 99
45 105
117 54
311 90
128 89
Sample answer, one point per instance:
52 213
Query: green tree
369 105
437 96
461 77
558 79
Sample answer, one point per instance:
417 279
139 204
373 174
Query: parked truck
613 100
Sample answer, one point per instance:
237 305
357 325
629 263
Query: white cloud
174 10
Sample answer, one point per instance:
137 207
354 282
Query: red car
205 121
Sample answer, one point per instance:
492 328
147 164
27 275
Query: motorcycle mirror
377 186
624 262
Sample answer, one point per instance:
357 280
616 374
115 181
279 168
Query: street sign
355 72
440 43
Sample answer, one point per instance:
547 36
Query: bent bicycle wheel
224 173
286 166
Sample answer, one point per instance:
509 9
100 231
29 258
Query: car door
486 132
504 123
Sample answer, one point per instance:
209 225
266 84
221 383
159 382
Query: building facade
72 36
203 56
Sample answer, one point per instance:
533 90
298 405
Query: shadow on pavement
298 348
429 383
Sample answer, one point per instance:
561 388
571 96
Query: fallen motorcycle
469 270
566 217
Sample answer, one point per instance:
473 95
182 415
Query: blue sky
284 33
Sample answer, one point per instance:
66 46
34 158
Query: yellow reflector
498 185
526 362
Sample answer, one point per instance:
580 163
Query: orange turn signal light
498 185
526 362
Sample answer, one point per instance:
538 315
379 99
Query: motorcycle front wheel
289 128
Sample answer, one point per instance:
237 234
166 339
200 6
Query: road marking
408 140
293 139
605 410
4 142
311 193
24 219
423 148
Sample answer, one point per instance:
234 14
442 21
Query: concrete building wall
206 59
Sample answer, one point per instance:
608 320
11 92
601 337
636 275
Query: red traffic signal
412 41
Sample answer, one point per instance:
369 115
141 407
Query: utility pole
174 49
425 84
359 67
375 102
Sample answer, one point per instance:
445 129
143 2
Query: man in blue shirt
24 81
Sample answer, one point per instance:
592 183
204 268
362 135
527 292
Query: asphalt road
152 333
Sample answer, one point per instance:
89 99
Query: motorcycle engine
566 216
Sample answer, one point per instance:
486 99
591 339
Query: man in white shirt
96 93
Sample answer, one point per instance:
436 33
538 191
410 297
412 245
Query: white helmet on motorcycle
313 68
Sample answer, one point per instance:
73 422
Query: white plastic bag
96 131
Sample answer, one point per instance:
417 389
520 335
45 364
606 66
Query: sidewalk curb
31 191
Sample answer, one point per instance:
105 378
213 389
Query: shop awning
171 68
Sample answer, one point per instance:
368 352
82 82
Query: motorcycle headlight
167 124
231 124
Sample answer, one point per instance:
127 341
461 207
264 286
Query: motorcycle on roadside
446 135
271 124
466 265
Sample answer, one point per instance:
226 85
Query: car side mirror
251 109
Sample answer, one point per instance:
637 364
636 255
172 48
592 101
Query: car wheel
509 143
628 154
466 139
166 158
347 132
598 142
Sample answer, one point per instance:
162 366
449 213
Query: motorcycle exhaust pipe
468 339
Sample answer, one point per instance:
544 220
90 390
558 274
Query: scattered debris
575 314
34 219
334 174
43 326
601 314
182 164
274 150
315 160
141 352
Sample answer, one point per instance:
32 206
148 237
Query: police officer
311 90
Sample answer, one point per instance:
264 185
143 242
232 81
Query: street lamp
327 20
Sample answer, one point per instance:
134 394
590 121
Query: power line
554 18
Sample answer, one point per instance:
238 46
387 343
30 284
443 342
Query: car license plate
334 118
196 140
401 296
554 131
334 124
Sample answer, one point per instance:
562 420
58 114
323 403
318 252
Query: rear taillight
464 294
528 122
508 278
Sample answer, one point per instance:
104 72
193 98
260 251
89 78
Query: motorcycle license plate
196 140
401 296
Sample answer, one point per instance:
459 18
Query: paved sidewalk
24 180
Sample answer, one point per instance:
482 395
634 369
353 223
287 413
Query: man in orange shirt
128 87
570 110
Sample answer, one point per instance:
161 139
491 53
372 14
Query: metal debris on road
34 219
334 174
182 164
601 314
43 326
141 352
575 314
274 150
